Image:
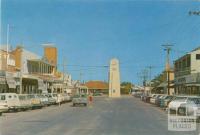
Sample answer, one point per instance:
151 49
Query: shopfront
189 84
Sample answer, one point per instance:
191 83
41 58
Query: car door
16 101
10 100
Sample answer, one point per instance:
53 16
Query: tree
126 87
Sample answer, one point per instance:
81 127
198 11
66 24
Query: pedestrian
90 99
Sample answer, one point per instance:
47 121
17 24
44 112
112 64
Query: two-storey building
187 73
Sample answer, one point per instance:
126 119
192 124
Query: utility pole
21 69
64 65
150 73
81 74
7 45
167 48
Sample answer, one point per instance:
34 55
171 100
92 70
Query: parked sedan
51 100
148 98
158 99
80 100
35 101
66 97
153 99
175 104
191 107
43 99
58 97
165 101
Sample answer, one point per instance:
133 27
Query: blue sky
89 33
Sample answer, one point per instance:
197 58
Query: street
120 116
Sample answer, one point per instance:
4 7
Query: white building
187 73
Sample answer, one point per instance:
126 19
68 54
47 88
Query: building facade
9 75
187 73
97 87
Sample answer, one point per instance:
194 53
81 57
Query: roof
100 85
188 53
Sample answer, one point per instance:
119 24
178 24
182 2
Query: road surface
121 116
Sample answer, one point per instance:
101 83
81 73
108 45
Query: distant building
97 86
187 73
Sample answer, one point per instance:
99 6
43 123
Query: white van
25 101
12 100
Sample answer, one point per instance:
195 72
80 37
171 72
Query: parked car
191 107
80 100
158 99
12 101
175 104
55 96
3 104
51 100
165 101
35 101
138 94
148 98
153 99
43 99
25 102
66 97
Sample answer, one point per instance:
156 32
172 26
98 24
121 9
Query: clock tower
114 78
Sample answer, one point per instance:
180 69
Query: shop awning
196 84
11 83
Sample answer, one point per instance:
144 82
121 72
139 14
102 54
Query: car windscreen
31 96
22 97
76 96
168 97
194 100
2 97
54 95
180 99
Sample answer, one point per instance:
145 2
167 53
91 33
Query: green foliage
159 79
126 87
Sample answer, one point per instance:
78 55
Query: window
3 97
188 61
198 56
9 96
